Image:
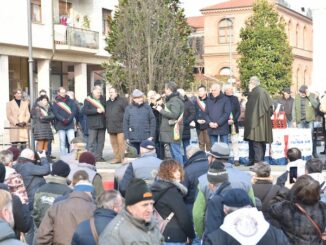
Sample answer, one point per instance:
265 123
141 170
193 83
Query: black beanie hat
2 173
60 168
217 173
137 191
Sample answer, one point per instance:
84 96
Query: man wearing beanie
145 167
56 185
218 183
87 163
134 224
244 224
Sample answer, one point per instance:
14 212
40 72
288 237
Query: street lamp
30 68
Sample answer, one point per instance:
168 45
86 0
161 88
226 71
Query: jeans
175 149
62 137
185 144
223 138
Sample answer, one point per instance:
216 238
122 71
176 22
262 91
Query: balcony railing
77 37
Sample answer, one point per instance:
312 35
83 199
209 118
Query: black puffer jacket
295 224
169 198
139 122
189 115
114 112
42 122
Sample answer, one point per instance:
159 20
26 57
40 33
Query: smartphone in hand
293 175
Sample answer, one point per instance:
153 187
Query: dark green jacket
258 123
174 107
310 105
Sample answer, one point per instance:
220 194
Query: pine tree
264 49
149 45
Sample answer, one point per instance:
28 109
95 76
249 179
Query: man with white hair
145 167
258 123
32 173
196 166
218 109
109 205
94 108
7 235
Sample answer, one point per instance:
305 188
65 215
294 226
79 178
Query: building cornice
226 10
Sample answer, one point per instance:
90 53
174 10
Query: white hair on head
227 86
181 91
191 150
27 153
254 80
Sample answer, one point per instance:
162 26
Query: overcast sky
192 7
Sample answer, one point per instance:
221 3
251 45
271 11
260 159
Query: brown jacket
61 220
16 114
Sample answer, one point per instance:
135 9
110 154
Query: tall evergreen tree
149 45
264 49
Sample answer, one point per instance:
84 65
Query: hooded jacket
168 198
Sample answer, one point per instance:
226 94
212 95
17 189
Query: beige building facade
223 22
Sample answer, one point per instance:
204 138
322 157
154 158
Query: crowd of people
186 194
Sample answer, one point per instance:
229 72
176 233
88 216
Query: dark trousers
96 139
256 151
136 145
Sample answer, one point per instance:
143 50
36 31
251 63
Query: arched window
297 78
304 34
305 76
225 71
225 31
297 36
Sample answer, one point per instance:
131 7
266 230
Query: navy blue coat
83 234
139 122
218 110
94 119
200 114
61 114
196 166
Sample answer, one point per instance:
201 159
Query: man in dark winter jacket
138 122
56 186
33 174
218 109
172 121
109 205
115 109
189 115
196 166
145 167
201 124
94 108
66 113
244 224
7 235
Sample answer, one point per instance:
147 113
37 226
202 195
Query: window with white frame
36 11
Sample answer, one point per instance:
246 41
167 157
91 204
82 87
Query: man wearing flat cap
145 167
138 121
304 112
135 223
